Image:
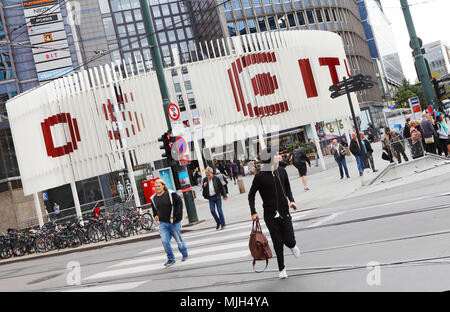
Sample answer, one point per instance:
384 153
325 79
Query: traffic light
439 88
168 140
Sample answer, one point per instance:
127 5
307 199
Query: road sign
350 81
181 145
174 112
44 196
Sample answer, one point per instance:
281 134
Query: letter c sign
53 151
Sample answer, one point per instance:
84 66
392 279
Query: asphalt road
405 230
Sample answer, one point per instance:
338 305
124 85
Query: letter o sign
53 151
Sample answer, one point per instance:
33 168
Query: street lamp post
419 60
157 63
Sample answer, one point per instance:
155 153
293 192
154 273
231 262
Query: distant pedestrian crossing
205 247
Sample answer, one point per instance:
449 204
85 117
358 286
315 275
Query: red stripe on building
271 85
71 130
277 108
142 118
241 96
128 132
131 95
274 58
269 57
110 135
111 110
77 131
132 129
106 113
126 98
286 107
47 136
250 110
123 115
137 122
129 115
244 61
234 91
239 66
256 110
116 134
255 86
308 78
275 82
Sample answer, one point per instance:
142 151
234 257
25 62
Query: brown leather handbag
259 246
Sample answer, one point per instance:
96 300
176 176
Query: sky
431 20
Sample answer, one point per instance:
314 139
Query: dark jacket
368 146
338 153
355 149
275 190
218 187
163 209
303 159
407 131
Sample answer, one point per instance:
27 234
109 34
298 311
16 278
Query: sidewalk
325 187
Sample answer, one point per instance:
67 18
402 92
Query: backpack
259 246
297 159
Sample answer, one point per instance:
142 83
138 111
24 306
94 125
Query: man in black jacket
213 190
274 188
357 151
167 206
369 154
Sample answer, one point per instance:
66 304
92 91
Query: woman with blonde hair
168 210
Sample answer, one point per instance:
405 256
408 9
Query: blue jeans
342 163
167 231
213 202
360 162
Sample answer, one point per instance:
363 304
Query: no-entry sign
174 112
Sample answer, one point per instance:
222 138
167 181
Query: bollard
241 186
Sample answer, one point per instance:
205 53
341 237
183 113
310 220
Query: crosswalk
204 247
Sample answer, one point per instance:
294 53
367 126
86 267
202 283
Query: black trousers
282 233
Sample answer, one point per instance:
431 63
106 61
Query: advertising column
48 38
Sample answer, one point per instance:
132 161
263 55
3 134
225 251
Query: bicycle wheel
5 251
19 248
39 243
147 221
49 242
93 233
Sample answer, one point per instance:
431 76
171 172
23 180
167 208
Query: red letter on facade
331 62
308 78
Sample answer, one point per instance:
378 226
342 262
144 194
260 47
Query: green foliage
407 91
307 148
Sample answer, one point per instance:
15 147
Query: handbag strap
254 262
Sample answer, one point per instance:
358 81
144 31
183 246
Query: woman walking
339 153
168 210
273 185
417 149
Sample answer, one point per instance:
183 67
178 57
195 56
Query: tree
407 91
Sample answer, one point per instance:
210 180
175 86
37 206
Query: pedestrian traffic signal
168 141
439 88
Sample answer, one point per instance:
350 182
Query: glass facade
17 74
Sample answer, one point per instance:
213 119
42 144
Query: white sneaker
295 251
282 274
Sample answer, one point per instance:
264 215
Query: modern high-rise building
37 43
438 54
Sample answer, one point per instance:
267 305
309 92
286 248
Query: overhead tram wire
100 55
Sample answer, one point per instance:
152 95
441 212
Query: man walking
234 171
368 148
212 191
168 210
273 186
357 151
299 160
339 154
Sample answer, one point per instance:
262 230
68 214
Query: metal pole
156 58
157 63
37 205
419 60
